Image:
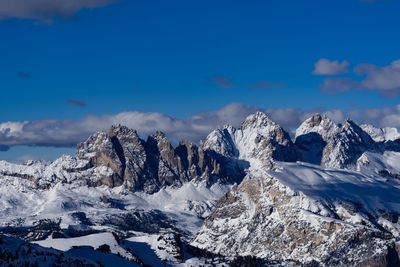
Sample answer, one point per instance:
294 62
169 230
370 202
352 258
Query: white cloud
385 80
330 67
46 10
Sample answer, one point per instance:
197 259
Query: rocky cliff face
301 214
152 164
347 146
258 140
312 137
325 143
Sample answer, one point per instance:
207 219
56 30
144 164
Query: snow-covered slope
303 213
66 169
16 252
386 165
22 204
68 215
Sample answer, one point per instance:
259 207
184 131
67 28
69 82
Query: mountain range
255 195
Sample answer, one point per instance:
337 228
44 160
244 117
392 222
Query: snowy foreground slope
303 213
247 195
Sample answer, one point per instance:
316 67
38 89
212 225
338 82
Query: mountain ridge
246 191
148 165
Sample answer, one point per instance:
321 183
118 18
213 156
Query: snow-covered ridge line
121 157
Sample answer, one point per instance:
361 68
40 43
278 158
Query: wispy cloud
225 82
67 133
384 79
76 103
222 81
46 10
24 75
266 85
330 67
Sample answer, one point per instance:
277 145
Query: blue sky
180 58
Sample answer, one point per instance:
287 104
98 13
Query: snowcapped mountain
381 134
347 146
323 142
313 135
259 141
246 195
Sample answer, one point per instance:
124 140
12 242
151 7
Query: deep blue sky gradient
147 55
161 56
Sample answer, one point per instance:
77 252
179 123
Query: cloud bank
67 133
46 10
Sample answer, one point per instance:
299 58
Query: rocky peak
166 164
221 140
131 150
162 145
149 165
100 150
325 143
124 135
120 131
258 138
88 148
260 124
261 139
159 135
356 134
350 125
258 120
316 120
343 150
321 125
189 155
